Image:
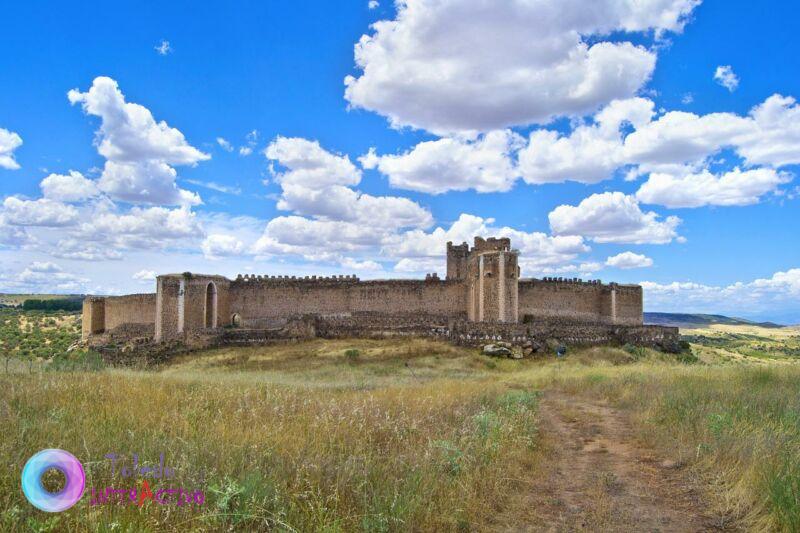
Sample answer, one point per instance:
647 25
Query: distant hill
684 320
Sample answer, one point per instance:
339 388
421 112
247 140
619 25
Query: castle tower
492 281
188 303
457 261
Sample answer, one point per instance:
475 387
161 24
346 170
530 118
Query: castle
483 295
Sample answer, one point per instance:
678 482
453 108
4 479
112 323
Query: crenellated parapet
260 279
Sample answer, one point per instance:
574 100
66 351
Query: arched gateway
211 305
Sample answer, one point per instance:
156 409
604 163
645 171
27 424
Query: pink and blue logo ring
62 461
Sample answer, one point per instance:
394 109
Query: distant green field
19 299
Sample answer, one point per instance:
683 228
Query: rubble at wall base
457 330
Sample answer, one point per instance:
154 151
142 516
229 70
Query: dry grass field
410 434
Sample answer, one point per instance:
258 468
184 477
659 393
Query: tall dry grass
436 456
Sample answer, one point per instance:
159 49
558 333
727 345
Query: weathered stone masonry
482 293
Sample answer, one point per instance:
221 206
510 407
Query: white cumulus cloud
217 246
145 276
9 141
472 65
737 187
42 212
143 228
613 217
317 183
590 153
627 260
725 76
72 187
140 152
485 164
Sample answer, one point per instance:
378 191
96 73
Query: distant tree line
56 304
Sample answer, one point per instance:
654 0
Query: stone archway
211 305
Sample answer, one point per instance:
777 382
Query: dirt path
597 477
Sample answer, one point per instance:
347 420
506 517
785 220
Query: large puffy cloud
315 239
768 135
145 182
613 217
774 138
43 212
485 164
139 150
310 165
625 134
9 141
473 65
144 228
590 153
677 143
317 183
679 137
129 132
72 187
737 187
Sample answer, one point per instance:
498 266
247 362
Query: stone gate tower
491 273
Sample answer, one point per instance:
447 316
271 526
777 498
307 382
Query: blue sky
634 143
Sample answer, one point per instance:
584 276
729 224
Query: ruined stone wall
467 333
137 309
574 301
477 333
255 299
93 319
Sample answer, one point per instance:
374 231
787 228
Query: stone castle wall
130 309
579 301
257 299
105 315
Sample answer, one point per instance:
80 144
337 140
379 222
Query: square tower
492 281
457 261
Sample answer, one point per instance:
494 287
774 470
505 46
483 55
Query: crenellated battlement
257 278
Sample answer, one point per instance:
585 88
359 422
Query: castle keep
482 296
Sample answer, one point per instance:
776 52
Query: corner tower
492 281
